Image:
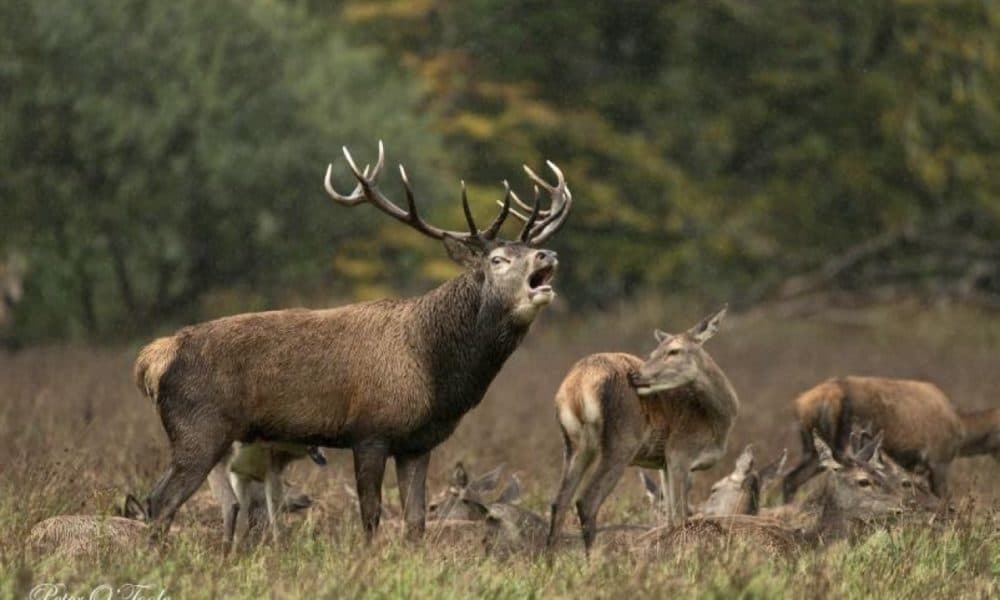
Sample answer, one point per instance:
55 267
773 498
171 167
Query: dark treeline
163 161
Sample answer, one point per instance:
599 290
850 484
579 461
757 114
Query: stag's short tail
152 363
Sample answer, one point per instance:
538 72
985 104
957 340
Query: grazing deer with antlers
922 429
672 412
390 378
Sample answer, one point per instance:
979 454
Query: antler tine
494 228
530 222
473 229
352 199
562 202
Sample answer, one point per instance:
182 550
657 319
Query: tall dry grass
75 436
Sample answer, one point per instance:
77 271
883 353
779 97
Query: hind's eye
864 482
907 483
674 352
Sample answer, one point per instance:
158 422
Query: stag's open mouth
541 278
540 284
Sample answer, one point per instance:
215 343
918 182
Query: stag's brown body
921 427
387 379
402 370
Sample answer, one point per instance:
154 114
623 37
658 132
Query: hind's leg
575 463
608 472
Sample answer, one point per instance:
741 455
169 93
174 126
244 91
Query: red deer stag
921 428
672 412
390 378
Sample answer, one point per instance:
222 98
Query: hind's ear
708 327
775 469
511 493
133 509
744 462
487 481
458 477
826 459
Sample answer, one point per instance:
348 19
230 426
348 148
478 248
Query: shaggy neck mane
471 335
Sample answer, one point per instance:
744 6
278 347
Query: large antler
367 191
539 224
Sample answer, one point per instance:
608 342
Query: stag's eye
674 352
499 260
907 483
864 482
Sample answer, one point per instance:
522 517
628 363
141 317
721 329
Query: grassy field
75 436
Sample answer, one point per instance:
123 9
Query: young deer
391 378
922 429
672 412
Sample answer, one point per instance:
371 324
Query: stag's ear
462 253
653 491
661 336
134 509
826 459
709 326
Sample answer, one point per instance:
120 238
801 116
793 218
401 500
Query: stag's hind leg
198 441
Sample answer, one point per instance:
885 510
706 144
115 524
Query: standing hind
672 412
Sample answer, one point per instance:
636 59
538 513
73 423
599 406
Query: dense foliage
157 152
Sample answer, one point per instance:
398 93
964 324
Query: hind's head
678 359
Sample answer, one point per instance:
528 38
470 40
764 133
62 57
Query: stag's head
678 359
518 273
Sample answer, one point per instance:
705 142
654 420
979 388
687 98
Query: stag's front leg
369 467
411 473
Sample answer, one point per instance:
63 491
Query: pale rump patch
569 422
591 406
152 363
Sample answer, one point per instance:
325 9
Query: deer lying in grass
391 378
673 412
921 426
739 493
850 491
464 498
